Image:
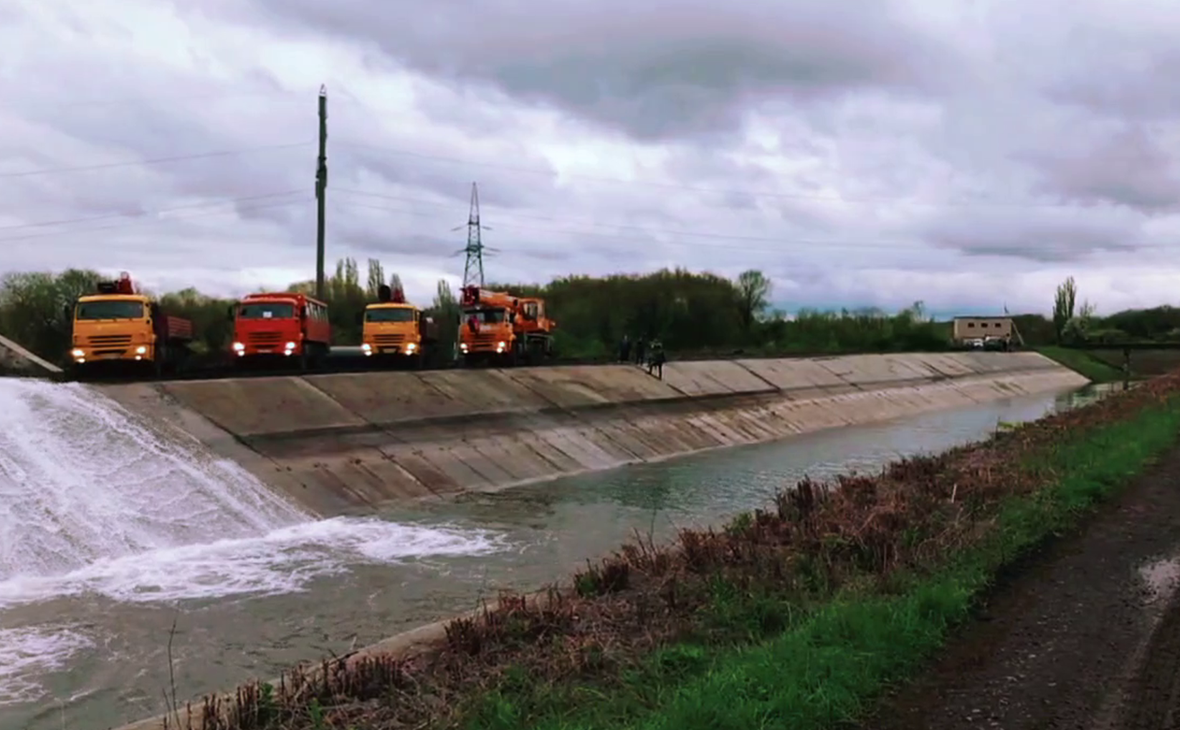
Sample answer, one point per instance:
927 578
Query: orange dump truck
499 328
119 325
396 331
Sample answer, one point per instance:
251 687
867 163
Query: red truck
280 326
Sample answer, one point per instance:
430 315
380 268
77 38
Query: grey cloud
1042 236
1128 168
656 72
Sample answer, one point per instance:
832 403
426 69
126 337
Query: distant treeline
692 313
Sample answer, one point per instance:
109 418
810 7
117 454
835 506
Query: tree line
690 312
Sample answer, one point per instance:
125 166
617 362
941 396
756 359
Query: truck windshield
389 315
266 310
110 310
485 316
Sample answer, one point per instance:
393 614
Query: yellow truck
121 326
396 331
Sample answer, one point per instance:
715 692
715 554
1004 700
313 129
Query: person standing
655 363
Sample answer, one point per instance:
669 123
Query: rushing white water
81 480
92 501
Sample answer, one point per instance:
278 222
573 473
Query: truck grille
483 342
265 339
109 340
389 340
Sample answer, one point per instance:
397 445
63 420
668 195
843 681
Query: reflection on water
593 513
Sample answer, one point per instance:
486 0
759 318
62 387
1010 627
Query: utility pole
321 187
474 250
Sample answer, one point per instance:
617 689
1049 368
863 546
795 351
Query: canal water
84 638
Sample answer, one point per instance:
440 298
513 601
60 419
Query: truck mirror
360 317
67 313
229 313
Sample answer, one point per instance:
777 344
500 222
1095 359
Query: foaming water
28 652
95 504
282 561
81 480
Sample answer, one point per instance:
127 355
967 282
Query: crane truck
396 331
119 325
497 327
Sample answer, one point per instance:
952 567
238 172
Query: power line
109 216
626 226
153 161
165 99
905 245
140 222
713 191
794 242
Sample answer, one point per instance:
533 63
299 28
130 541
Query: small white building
971 328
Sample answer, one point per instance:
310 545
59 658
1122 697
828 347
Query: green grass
821 668
1084 363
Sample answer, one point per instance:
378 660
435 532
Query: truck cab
497 326
392 328
120 325
280 326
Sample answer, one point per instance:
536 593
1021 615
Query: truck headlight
411 347
77 353
141 350
463 346
239 348
500 346
290 345
367 348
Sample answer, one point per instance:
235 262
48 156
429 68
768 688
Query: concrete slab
793 373
574 386
252 406
877 370
18 358
486 391
387 397
950 365
713 378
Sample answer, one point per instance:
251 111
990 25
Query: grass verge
794 616
1084 363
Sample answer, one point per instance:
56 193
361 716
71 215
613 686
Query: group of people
649 354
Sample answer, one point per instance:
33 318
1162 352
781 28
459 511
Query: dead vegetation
814 540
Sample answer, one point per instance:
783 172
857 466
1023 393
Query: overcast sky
969 154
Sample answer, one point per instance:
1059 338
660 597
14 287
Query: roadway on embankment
347 443
1084 636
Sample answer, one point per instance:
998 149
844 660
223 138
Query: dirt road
1085 635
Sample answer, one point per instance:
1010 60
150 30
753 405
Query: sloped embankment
347 442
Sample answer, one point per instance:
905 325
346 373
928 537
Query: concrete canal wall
345 443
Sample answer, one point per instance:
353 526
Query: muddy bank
346 443
1083 635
